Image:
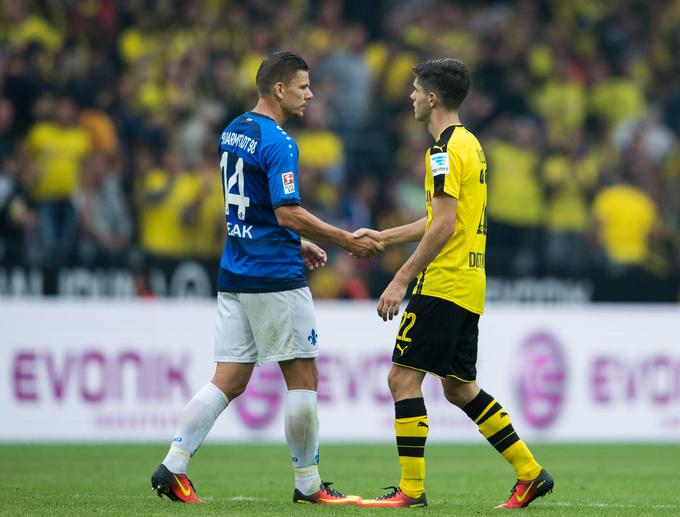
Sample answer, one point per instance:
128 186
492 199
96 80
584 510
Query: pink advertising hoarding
103 371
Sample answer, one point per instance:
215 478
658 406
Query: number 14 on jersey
237 179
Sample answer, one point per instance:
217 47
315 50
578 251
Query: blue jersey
258 162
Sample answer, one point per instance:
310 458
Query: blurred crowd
110 111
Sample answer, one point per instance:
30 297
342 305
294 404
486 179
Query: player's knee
403 384
460 393
393 383
453 396
300 374
235 391
230 387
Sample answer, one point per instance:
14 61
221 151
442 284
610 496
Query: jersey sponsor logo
288 180
476 259
439 163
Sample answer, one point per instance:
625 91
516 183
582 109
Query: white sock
196 420
302 435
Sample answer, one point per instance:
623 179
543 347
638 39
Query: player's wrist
386 237
402 278
345 240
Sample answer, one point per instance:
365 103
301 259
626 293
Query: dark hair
448 78
278 67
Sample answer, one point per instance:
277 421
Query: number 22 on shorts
407 322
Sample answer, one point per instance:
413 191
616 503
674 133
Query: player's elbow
285 216
445 228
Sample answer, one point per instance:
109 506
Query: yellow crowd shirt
58 152
627 217
515 196
456 166
163 232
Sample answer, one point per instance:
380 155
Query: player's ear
433 99
278 90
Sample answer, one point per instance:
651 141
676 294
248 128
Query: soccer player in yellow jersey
439 329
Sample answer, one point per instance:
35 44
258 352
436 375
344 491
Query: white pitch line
609 505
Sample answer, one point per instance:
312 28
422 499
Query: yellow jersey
58 152
162 230
455 165
627 217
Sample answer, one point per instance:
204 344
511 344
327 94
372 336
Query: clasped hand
365 243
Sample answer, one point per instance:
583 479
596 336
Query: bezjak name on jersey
238 230
243 142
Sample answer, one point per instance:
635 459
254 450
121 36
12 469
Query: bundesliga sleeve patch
439 163
288 182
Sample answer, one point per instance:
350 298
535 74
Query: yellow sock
410 426
494 424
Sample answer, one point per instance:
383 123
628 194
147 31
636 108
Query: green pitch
256 480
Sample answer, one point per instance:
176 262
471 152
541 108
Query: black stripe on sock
413 441
410 408
413 452
494 409
497 437
475 407
506 441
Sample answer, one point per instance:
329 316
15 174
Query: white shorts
265 327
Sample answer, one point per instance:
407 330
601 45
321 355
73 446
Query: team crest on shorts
288 182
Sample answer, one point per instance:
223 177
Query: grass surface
254 480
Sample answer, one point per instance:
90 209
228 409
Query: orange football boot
526 491
395 499
325 495
176 487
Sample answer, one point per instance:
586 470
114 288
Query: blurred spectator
181 211
570 178
56 149
320 148
101 130
625 218
105 219
515 204
29 27
17 217
210 230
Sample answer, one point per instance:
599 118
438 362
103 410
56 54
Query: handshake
364 243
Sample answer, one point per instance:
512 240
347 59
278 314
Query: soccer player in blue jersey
265 310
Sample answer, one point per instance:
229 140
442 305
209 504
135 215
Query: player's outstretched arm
411 232
441 229
304 223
